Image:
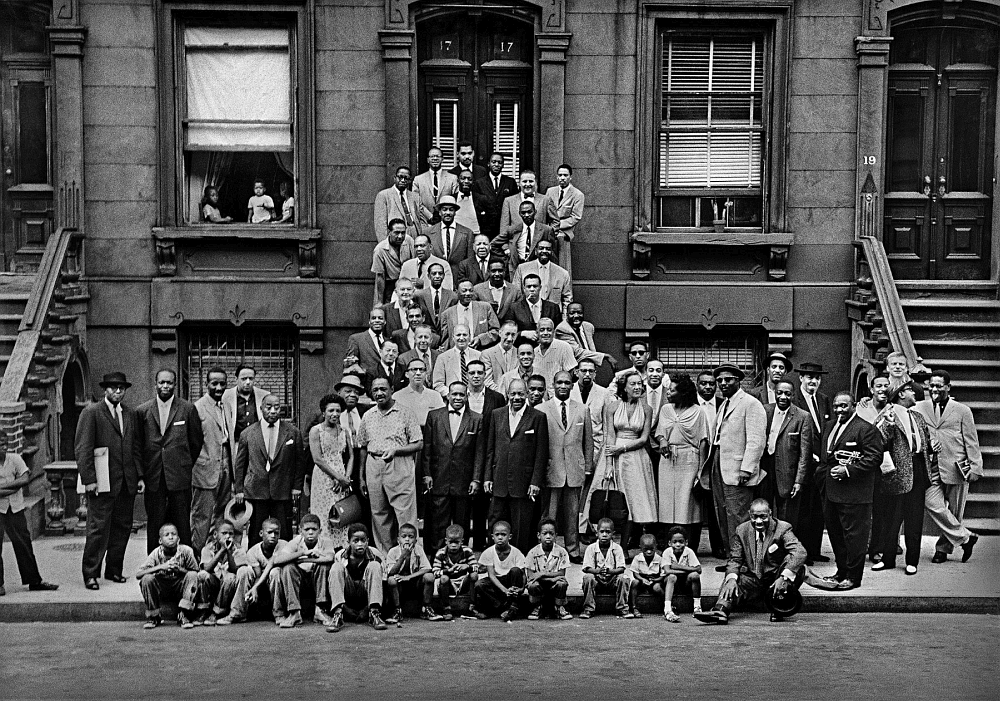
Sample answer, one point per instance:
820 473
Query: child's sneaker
199 620
183 621
697 609
321 617
375 619
336 622
229 620
479 615
636 613
535 614
563 614
429 614
508 614
397 617
152 623
447 615
211 620
291 621
585 614
672 617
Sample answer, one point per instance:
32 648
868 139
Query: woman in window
332 454
210 207
287 204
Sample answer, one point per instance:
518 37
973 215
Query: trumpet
847 458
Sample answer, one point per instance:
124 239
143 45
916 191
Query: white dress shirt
116 411
477 400
164 409
455 420
515 419
522 243
776 422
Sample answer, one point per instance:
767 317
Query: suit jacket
448 368
597 400
469 269
229 407
510 214
409 355
956 429
789 553
485 325
560 286
514 463
571 449
425 299
508 238
569 212
97 428
491 401
287 469
215 458
392 321
497 365
510 295
825 408
520 314
897 444
173 453
398 380
402 340
492 201
760 394
360 345
478 171
421 278
453 464
857 488
792 459
565 332
743 439
423 188
388 207
461 246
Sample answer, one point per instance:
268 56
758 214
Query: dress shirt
455 420
270 433
720 419
772 437
515 419
446 239
466 215
536 310
527 236
464 315
116 411
543 273
497 293
377 339
477 400
813 411
654 399
164 409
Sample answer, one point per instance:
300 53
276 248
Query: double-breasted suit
267 481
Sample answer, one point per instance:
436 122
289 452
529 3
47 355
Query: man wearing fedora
351 388
820 410
766 563
450 241
212 477
738 443
778 365
109 424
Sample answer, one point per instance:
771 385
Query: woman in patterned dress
332 452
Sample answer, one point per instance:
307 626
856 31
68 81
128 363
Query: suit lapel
111 417
787 420
171 415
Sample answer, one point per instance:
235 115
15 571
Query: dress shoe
820 558
939 557
720 568
911 569
847 585
42 586
91 583
116 578
967 547
881 566
713 616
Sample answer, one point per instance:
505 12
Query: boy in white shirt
546 564
260 207
603 570
504 580
305 564
408 572
646 572
683 572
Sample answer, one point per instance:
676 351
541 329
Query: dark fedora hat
899 389
811 369
729 367
115 378
788 604
783 358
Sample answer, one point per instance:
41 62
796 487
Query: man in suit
212 476
111 425
527 310
398 202
482 400
517 456
493 189
406 339
388 258
453 453
433 184
241 404
556 285
777 367
787 459
960 462
657 386
453 364
269 469
477 316
418 268
470 205
709 403
565 212
435 298
364 349
502 357
638 355
518 242
499 293
466 161
388 367
395 311
476 268
849 465
423 347
737 446
172 441
450 241
767 562
510 214
820 409
571 460
579 334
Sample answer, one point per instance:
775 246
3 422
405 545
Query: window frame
772 19
176 15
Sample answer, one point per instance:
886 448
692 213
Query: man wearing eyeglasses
398 202
638 355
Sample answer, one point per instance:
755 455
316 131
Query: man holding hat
351 388
450 241
777 367
110 425
738 442
820 410
767 562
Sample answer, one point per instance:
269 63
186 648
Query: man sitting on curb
766 562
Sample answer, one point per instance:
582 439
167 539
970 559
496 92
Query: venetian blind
506 135
446 131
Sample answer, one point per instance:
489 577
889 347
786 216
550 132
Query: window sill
167 236
778 243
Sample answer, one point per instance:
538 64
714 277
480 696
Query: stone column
552 49
873 68
67 37
397 49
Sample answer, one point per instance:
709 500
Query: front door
940 151
475 77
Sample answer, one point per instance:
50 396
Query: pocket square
850 443
772 547
179 423
289 441
530 431
579 423
795 433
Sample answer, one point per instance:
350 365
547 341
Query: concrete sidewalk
951 587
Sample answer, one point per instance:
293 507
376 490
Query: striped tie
465 368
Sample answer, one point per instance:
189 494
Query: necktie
118 415
482 267
562 191
811 401
222 421
427 363
378 340
759 554
563 414
772 438
834 435
527 241
435 185
581 338
465 368
454 429
406 209
164 415
536 311
350 424
447 242
496 183
720 418
437 302
272 439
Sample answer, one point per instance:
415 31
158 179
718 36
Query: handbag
609 503
345 511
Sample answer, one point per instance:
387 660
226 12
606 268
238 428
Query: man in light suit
172 441
502 357
777 367
518 242
212 477
452 365
556 284
398 202
418 268
517 456
450 241
476 268
530 308
453 453
436 297
849 465
269 469
787 457
820 409
395 311
960 462
737 446
579 334
509 214
109 424
477 316
499 293
571 460
491 191
565 212
433 184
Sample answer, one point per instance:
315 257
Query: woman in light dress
332 452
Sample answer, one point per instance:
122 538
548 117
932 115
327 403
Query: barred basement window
689 351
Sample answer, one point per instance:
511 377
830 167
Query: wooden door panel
905 238
965 236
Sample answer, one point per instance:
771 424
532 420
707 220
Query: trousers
296 584
167 506
563 506
15 526
948 522
109 524
392 492
216 593
156 587
619 585
488 599
358 594
266 593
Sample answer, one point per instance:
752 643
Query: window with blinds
507 134
445 135
710 148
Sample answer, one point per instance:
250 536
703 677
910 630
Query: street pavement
946 657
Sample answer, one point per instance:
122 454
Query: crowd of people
468 436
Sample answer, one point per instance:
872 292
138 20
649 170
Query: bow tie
453 411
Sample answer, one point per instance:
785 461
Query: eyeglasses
637 353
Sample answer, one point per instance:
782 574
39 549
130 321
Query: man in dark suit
450 241
517 456
172 440
363 348
777 367
483 401
518 243
111 425
475 269
492 190
466 161
849 465
435 298
454 450
389 368
269 469
406 339
526 311
766 562
500 294
787 457
820 409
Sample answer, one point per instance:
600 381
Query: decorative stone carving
166 257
